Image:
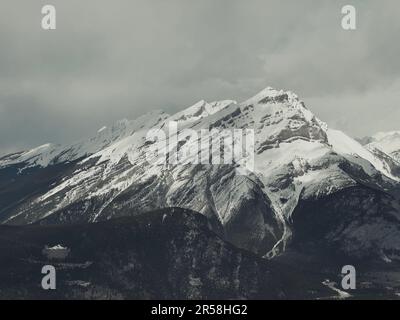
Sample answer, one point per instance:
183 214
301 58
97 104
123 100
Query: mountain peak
270 94
386 135
201 109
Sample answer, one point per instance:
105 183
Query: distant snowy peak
387 142
386 135
363 156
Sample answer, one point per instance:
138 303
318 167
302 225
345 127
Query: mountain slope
297 159
165 254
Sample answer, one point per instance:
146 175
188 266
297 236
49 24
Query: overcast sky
117 59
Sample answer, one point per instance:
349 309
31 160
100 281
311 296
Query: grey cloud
113 59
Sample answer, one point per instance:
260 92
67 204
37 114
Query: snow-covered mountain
310 183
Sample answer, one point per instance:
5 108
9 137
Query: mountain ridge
297 158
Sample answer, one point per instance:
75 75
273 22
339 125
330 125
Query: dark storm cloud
113 59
